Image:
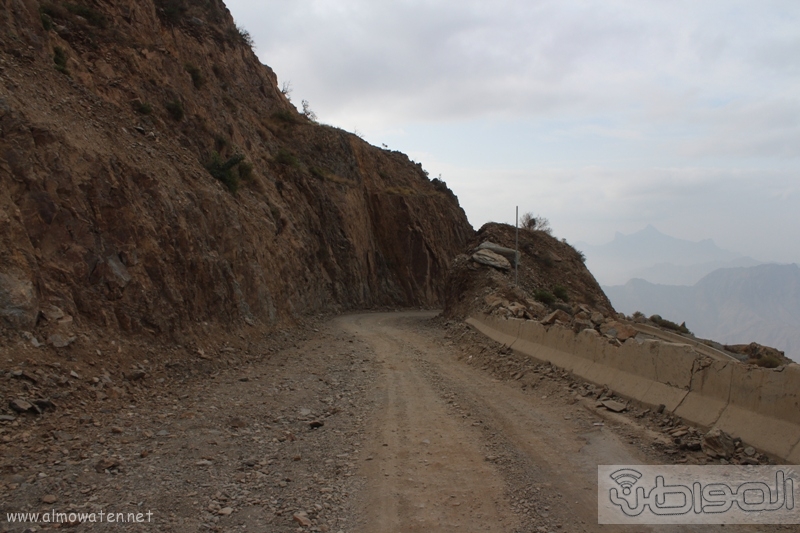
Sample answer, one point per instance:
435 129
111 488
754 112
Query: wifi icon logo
626 478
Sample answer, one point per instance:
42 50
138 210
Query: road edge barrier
759 405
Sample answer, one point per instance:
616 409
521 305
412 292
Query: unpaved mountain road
374 423
452 449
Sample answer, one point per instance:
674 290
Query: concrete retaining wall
759 405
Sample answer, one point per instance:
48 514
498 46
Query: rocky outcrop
153 176
509 253
759 355
18 304
551 277
489 258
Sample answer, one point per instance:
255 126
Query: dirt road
381 422
452 449
467 452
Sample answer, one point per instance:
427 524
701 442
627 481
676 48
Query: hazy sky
602 116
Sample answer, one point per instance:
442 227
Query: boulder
494 301
557 315
52 313
617 330
60 341
519 310
489 258
535 307
625 332
508 253
18 303
580 324
614 406
717 443
21 406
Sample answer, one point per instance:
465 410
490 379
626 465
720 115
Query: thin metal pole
516 247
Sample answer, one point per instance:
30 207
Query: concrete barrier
698 346
760 406
708 394
504 331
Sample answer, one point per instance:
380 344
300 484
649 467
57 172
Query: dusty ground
383 422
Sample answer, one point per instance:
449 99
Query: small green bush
47 21
226 171
175 109
285 158
245 171
285 116
440 185
317 172
561 293
60 59
143 108
544 297
244 37
197 76
220 143
768 361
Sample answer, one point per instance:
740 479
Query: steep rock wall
108 213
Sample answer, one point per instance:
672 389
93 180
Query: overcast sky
602 116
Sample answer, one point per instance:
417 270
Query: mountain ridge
733 305
649 253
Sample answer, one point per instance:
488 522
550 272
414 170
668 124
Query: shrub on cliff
60 59
532 222
284 157
175 109
768 361
544 297
230 171
561 293
197 77
440 185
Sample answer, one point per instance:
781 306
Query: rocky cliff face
112 114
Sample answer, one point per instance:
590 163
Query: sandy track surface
380 422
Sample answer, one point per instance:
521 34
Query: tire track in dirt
424 470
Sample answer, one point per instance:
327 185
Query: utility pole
516 247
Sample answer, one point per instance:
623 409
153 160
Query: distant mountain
730 305
672 274
658 258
